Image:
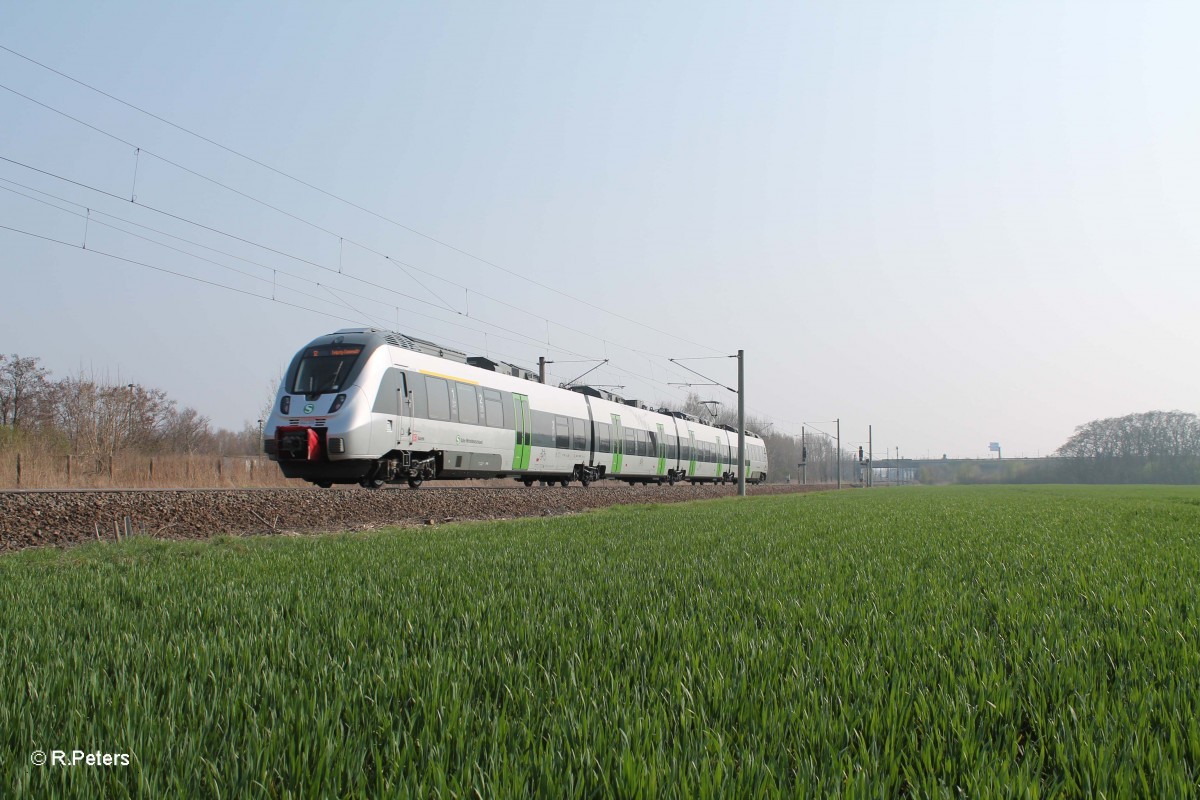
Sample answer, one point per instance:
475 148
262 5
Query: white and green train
374 407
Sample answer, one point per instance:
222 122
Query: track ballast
37 518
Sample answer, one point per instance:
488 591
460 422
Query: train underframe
302 453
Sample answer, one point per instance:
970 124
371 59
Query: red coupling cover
314 444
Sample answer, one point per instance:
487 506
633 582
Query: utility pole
839 446
741 357
870 458
741 393
542 369
803 458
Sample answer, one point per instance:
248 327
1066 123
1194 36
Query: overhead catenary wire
172 272
274 271
339 198
199 244
363 316
132 199
302 260
401 265
350 204
215 284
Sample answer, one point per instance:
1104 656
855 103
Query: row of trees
1154 434
1151 447
92 417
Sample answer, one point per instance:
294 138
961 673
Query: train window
653 444
578 434
493 408
468 404
387 400
603 431
439 397
325 369
562 434
542 425
510 413
416 385
630 443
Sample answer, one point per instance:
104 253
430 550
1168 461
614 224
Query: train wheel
584 482
371 483
528 482
414 483
324 484
564 483
670 480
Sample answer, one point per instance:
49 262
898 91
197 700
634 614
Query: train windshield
325 369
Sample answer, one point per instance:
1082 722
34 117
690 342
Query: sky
956 223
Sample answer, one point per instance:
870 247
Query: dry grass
39 470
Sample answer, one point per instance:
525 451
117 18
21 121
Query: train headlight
337 403
285 405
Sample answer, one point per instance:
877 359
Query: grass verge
994 641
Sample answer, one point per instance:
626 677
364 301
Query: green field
996 641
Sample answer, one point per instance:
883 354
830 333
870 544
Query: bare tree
101 419
187 431
22 388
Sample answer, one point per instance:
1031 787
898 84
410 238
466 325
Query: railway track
31 518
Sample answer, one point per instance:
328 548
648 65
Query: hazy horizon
956 223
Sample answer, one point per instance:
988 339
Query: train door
721 448
691 453
662 450
387 414
404 405
590 433
618 444
524 436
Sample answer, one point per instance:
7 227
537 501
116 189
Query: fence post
110 470
151 469
18 470
68 469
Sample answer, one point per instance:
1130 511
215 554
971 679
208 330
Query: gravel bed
52 518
